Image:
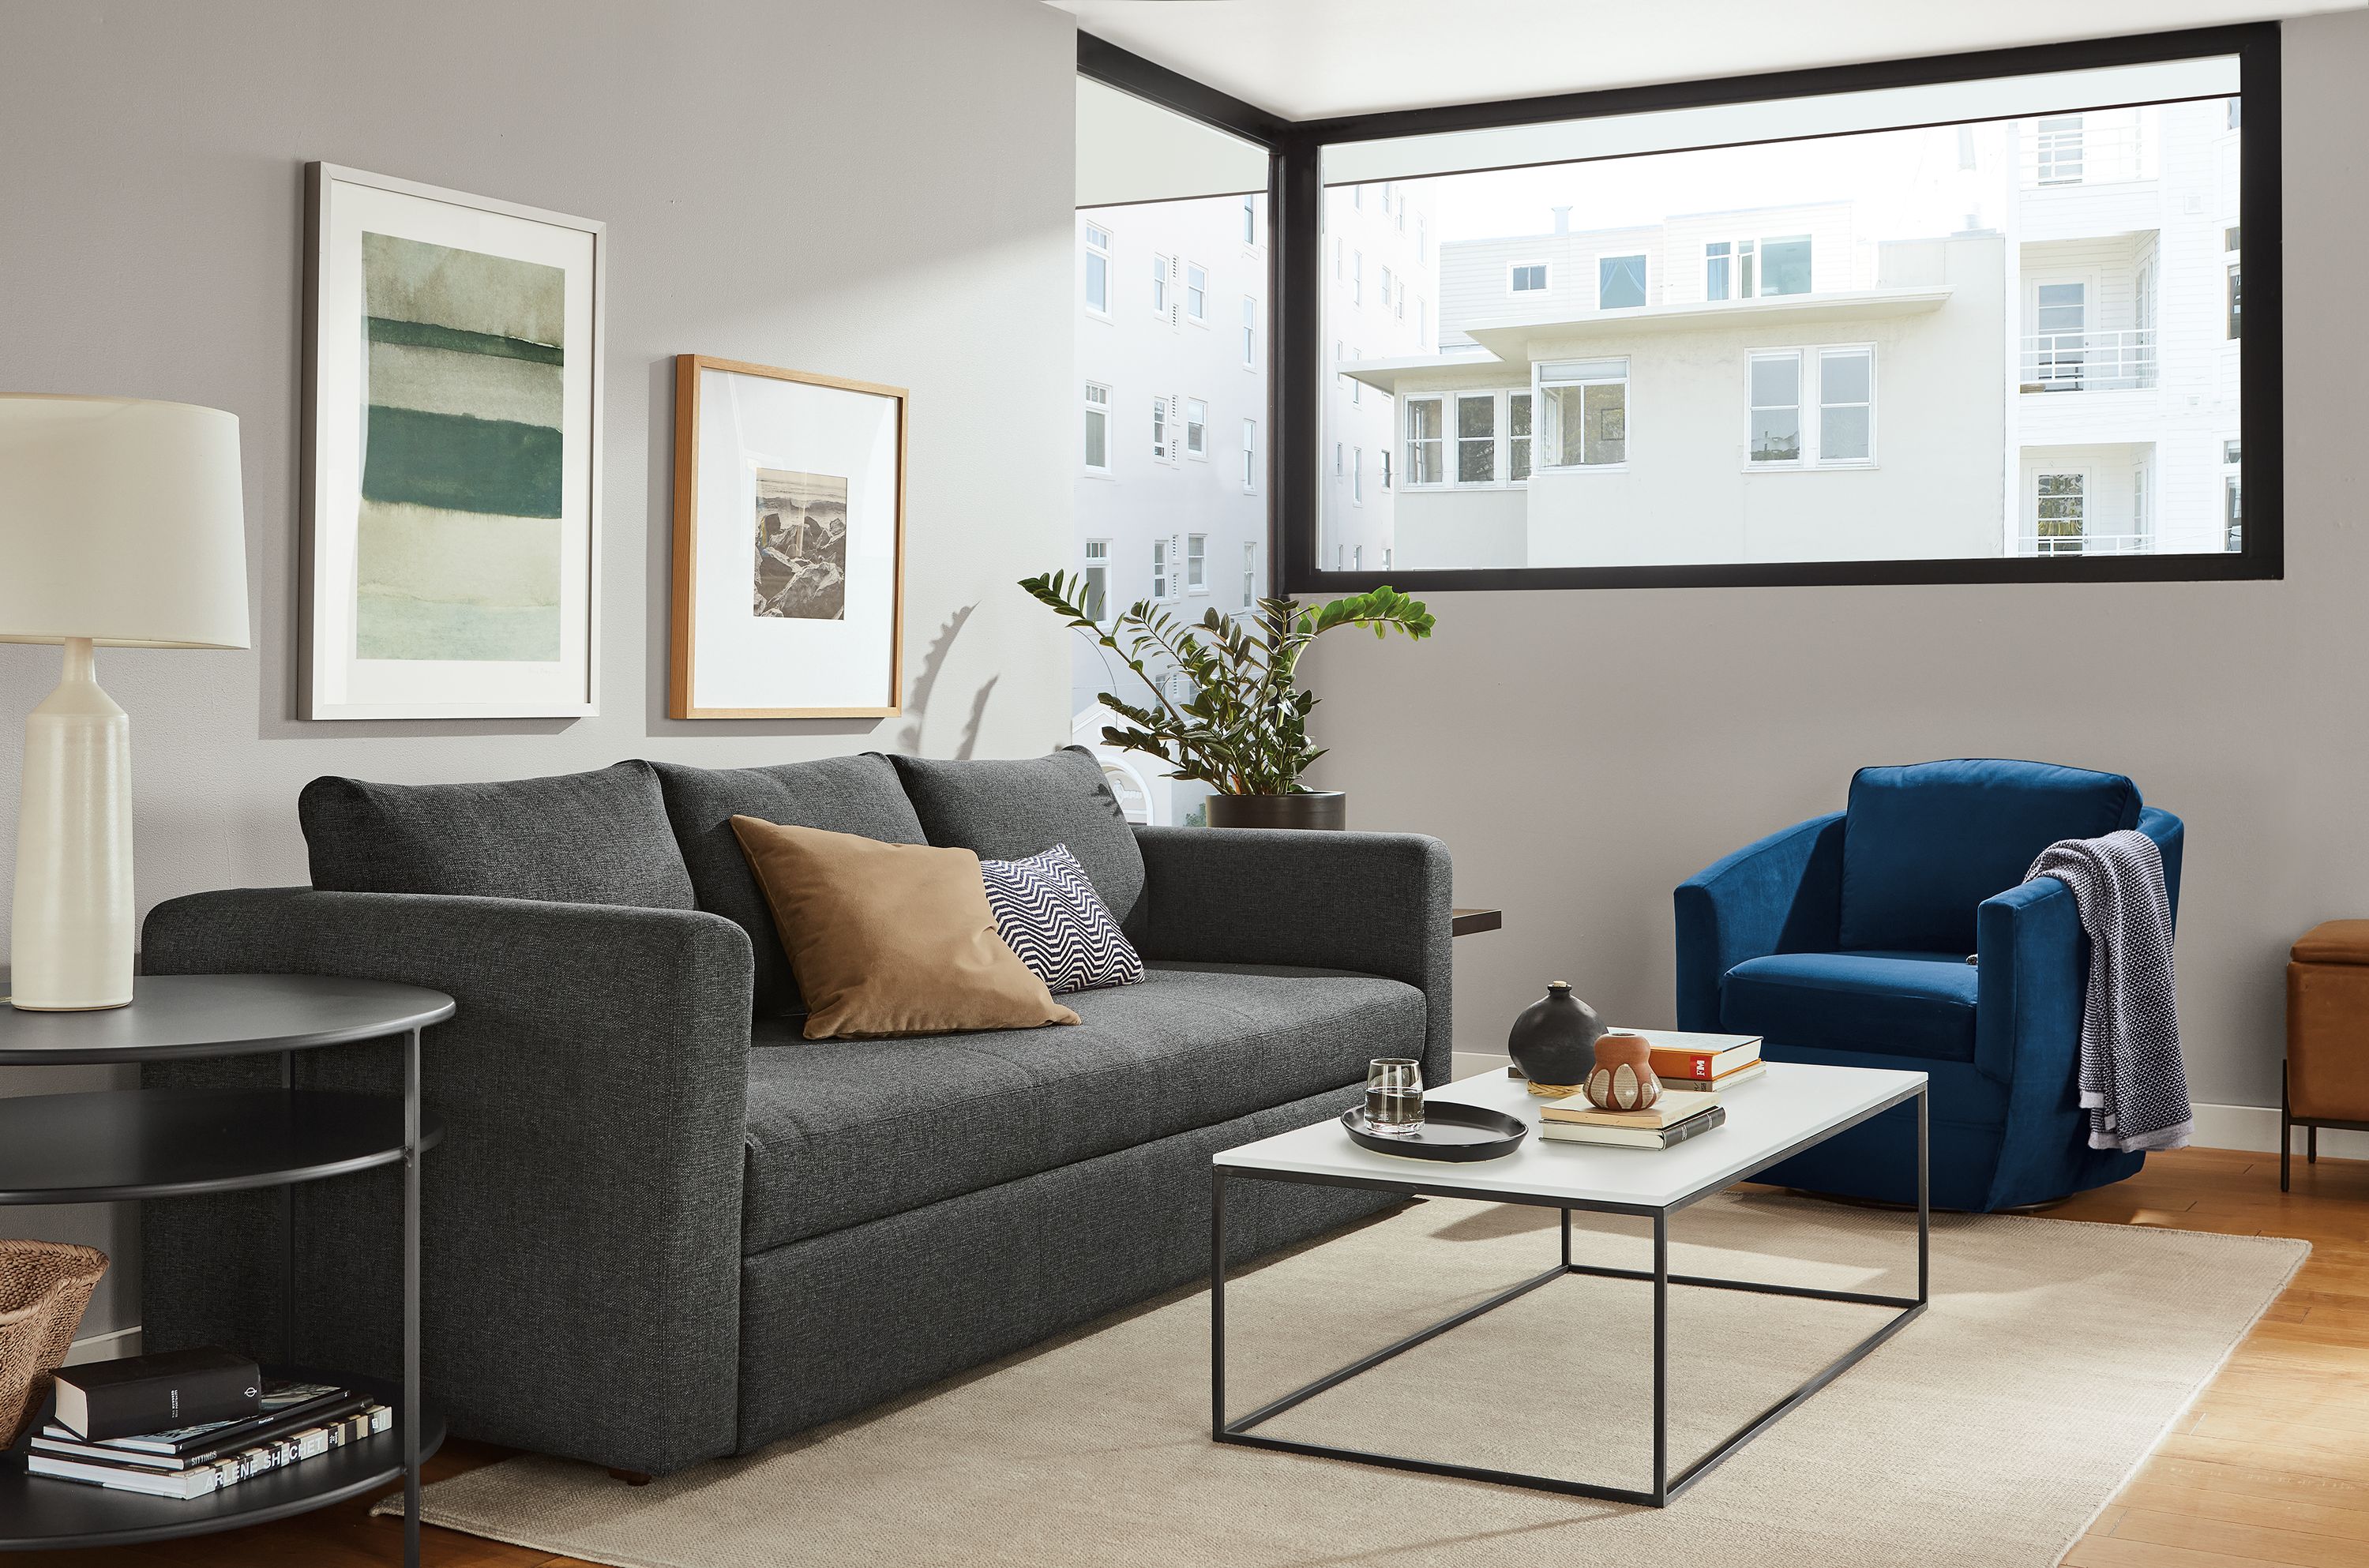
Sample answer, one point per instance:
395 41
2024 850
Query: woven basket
44 1286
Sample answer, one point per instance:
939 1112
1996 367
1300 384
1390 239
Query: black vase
1553 1041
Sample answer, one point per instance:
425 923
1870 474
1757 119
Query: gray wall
1584 752
879 190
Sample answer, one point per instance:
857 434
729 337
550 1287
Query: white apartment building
1382 291
2124 232
2059 375
1171 444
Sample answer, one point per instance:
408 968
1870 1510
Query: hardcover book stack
1672 1119
182 1423
1697 1062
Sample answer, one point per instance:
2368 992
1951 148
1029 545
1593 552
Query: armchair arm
1377 903
581 1218
2028 998
1780 895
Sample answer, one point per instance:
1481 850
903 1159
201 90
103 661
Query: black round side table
149 1143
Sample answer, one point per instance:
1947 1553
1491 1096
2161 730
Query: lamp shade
120 521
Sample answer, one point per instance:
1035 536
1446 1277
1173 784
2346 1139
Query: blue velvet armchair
1846 940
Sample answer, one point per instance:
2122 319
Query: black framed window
1760 352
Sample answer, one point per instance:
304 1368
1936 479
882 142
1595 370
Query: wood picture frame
792 644
450 552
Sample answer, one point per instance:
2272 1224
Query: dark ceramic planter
1327 808
1553 1042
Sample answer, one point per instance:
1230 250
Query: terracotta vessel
1553 1040
1623 1078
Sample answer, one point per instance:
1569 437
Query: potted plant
1244 729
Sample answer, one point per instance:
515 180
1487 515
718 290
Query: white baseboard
2256 1127
2252 1128
105 1346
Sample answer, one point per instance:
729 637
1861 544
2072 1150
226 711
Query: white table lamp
121 524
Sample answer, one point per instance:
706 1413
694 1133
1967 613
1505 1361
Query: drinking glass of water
1394 1094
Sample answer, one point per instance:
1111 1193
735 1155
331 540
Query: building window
2235 118
1386 288
1846 404
1338 459
1196 293
1356 277
2229 238
1518 436
1719 269
1620 282
1385 455
1160 445
1422 239
1476 440
1250 455
1196 563
1386 557
1097 605
2233 528
2059 146
1250 574
1098 260
2058 506
2139 529
1526 278
2234 312
1097 428
1357 387
1357 475
1422 320
1427 445
1250 333
1774 431
1160 266
1161 583
1587 412
1785 266
1250 219
1196 427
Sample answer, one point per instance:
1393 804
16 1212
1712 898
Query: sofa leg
2286 1129
631 1477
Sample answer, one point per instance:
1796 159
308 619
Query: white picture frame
789 543
454 360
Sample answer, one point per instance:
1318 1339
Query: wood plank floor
2269 1467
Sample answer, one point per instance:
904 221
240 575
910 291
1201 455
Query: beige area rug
1989 1431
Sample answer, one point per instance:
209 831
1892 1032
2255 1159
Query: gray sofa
662 1225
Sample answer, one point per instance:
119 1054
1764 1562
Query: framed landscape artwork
789 543
452 349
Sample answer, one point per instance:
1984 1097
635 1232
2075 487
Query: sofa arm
581 1218
2028 998
1780 895
1375 903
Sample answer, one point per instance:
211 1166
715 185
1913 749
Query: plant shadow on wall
1243 729
933 664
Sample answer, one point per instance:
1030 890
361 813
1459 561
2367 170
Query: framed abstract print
789 543
453 358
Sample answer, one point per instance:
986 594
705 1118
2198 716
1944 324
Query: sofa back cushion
838 794
1010 810
1924 845
596 838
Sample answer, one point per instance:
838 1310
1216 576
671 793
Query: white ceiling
1311 59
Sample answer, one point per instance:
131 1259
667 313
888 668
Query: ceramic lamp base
70 946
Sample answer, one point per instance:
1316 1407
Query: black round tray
1449 1131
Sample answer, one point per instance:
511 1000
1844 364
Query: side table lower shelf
41 1513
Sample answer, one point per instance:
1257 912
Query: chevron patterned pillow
1049 913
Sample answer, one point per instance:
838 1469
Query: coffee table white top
1789 1106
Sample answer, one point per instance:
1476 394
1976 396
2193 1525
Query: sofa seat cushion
1010 810
844 1131
838 794
596 838
1924 845
1917 1005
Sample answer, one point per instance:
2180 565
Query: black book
157 1392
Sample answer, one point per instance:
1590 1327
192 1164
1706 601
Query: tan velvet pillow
890 939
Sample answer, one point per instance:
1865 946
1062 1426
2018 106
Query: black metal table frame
1666 1485
413 1146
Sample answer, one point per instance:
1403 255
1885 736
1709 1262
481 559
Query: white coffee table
1791 1107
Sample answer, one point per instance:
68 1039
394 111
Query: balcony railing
2089 361
2084 545
2096 154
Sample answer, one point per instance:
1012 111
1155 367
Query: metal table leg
411 1412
